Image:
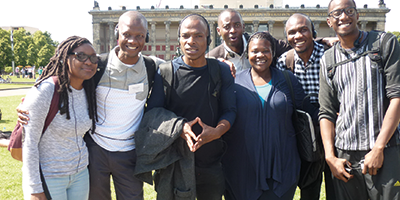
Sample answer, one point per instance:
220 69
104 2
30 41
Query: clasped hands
195 142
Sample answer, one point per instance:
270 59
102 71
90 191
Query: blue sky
65 18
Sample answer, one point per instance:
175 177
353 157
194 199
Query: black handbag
310 149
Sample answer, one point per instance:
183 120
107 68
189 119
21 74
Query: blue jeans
72 187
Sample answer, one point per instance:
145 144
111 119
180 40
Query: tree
29 49
5 49
44 55
44 48
21 46
397 34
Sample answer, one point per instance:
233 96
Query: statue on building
96 4
381 4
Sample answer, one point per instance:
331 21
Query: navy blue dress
262 143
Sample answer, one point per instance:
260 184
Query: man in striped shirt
360 110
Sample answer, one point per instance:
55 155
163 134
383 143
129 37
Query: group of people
28 72
229 119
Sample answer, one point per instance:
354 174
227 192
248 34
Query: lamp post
12 49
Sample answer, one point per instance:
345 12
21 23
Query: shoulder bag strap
289 83
215 74
151 70
54 104
290 60
166 72
50 116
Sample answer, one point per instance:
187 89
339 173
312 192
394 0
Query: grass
10 169
15 79
14 86
9 114
16 82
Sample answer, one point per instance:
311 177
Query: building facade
164 22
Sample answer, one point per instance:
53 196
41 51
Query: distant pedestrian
17 71
22 72
40 71
33 72
29 69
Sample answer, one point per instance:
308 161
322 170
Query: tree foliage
397 34
5 49
29 49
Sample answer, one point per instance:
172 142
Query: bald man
305 58
122 92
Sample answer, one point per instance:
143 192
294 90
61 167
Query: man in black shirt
209 105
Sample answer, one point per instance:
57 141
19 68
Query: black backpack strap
215 73
166 72
375 46
101 67
289 83
330 60
290 60
379 42
151 71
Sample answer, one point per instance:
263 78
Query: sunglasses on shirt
82 57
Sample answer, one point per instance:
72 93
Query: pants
210 183
72 187
312 171
329 188
312 191
120 165
383 186
270 195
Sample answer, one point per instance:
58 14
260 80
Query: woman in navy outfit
262 161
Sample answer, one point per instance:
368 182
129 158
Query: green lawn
11 169
15 81
12 85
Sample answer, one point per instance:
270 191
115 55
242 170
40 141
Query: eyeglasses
83 57
350 11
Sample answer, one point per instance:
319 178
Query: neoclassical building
164 22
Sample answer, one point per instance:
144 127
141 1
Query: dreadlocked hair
58 67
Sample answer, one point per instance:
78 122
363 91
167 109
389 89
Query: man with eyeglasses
360 108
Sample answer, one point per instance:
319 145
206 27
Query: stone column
153 38
284 28
316 26
96 37
112 39
271 26
212 34
167 48
256 23
380 25
364 25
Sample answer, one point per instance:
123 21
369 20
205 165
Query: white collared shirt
240 61
121 96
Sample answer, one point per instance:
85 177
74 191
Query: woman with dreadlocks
60 150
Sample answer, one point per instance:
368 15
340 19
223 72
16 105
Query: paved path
14 92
